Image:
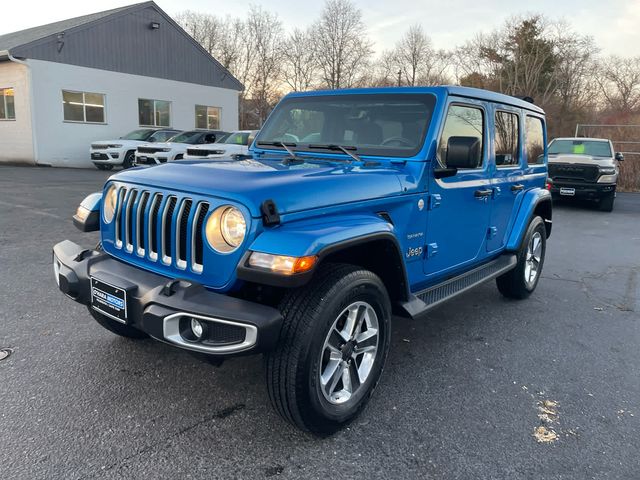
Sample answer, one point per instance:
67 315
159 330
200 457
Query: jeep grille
160 227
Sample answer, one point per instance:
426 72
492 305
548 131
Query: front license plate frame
569 192
110 300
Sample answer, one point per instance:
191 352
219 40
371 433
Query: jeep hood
296 187
581 159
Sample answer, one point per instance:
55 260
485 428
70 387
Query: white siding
61 143
16 141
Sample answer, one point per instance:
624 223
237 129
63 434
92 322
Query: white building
99 76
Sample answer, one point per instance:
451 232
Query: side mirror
463 152
619 157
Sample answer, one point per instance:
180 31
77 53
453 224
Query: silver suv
585 168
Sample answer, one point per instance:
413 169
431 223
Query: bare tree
299 61
619 80
264 37
343 51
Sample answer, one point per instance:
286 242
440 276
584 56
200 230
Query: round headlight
233 226
225 229
109 204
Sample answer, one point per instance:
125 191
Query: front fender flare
320 237
532 201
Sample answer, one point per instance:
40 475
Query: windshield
187 137
380 124
142 134
162 135
592 148
236 138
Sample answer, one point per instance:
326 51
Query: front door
460 205
506 164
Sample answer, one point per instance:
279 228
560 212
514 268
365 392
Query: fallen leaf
544 434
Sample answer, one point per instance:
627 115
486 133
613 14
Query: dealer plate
570 192
109 300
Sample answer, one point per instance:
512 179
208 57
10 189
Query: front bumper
582 190
159 306
107 156
152 158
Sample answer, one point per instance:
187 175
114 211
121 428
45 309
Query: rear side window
462 121
506 139
534 141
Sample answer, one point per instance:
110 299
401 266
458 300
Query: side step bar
431 297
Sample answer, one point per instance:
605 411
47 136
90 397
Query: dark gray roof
104 41
22 37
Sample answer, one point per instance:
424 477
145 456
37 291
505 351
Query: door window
534 141
462 121
507 139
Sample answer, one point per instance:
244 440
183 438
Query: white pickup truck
175 147
106 154
236 143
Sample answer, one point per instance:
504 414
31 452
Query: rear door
506 165
459 205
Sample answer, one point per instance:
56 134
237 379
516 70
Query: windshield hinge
270 215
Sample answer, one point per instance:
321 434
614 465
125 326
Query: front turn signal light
282 264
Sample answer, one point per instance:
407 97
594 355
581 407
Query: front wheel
333 347
521 281
129 160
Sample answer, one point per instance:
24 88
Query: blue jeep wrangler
351 205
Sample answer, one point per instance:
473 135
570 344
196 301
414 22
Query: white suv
237 143
106 154
175 147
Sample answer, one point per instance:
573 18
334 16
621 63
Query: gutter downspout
34 144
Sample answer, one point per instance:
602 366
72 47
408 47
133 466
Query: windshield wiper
287 146
346 149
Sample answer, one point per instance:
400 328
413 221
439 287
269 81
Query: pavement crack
220 414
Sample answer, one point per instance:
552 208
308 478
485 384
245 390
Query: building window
83 107
207 118
7 107
534 140
506 141
154 113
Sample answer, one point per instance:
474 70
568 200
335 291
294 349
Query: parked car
585 168
106 154
405 198
175 147
236 143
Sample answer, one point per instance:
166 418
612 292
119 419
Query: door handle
517 187
482 194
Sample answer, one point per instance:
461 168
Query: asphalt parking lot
459 399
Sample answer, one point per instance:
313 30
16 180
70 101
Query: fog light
197 328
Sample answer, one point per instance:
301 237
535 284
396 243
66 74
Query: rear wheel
606 203
333 346
116 327
521 281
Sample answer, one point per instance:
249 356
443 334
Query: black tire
116 327
129 159
606 203
103 166
293 369
514 283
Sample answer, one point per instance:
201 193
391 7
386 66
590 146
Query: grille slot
197 234
158 226
129 220
140 213
182 226
166 240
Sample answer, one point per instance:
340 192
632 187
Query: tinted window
187 137
138 134
240 138
390 124
462 121
534 140
506 140
162 135
581 147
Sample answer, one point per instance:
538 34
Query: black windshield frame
410 111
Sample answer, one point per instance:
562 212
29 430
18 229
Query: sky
614 24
